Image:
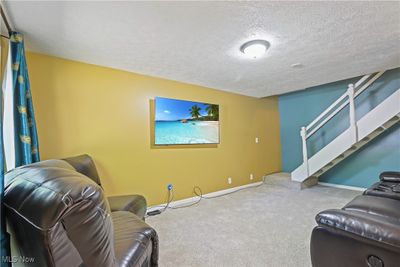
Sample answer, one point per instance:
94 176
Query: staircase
359 133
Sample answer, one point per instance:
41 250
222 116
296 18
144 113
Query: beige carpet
266 226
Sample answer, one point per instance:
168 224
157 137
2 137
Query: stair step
337 160
284 179
390 122
365 139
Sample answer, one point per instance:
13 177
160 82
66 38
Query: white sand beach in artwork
189 132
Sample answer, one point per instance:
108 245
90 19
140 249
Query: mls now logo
15 259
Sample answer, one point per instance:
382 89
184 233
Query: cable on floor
156 211
197 192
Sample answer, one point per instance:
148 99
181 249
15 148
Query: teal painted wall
363 167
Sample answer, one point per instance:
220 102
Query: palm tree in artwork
195 112
213 111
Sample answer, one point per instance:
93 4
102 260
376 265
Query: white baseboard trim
354 188
191 200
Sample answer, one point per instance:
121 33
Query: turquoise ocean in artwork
191 132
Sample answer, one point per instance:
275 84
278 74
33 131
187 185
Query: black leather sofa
57 215
365 232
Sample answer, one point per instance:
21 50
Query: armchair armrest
134 240
132 203
362 224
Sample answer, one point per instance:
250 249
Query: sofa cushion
390 177
381 206
134 241
384 189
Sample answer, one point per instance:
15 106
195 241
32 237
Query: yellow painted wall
82 108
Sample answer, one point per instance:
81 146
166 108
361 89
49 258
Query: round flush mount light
255 48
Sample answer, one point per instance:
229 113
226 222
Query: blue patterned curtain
26 141
24 131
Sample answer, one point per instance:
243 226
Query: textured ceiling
198 42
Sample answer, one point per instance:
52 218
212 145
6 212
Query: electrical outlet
251 176
229 180
169 187
257 140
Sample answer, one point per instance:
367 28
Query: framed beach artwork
180 122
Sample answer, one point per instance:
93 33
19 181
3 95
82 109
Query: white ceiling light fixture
255 48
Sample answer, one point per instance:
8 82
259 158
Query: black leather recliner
365 232
57 215
133 203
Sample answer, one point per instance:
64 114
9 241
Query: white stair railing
353 91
